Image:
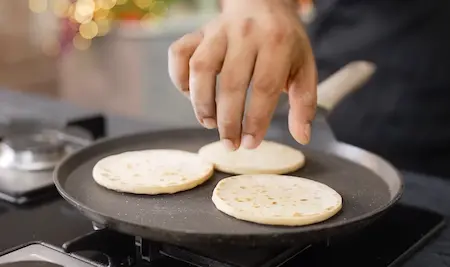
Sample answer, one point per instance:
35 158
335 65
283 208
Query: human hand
257 41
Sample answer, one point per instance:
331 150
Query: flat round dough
276 199
152 171
268 158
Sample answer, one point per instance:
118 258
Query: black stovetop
387 242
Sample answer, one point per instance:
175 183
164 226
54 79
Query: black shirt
403 113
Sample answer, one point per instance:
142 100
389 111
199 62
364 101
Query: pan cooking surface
192 212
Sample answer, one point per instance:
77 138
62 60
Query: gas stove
66 238
369 246
31 148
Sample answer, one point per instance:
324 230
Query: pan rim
309 229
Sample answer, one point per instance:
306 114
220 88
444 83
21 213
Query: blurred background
110 55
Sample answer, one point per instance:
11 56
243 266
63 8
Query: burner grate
118 247
262 257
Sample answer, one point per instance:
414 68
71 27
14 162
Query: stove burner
30 149
30 264
36 151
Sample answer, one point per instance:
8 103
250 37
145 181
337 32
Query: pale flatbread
276 199
268 158
152 171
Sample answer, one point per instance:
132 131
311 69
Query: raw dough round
268 158
276 199
152 171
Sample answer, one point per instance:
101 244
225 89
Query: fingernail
209 123
306 134
249 142
228 144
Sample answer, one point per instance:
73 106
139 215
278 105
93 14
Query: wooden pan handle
348 79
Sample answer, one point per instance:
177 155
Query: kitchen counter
56 222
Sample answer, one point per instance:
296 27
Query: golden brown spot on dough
242 187
238 200
248 199
274 203
303 199
296 214
256 206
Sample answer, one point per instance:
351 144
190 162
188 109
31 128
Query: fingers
303 100
205 64
270 76
235 78
180 52
274 58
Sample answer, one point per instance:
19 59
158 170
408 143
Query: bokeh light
38 6
143 4
95 18
81 43
88 30
106 4
104 26
60 7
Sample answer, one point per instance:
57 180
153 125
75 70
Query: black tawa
190 217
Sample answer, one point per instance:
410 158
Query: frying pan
368 184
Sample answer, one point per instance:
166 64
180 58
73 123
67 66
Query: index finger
180 52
